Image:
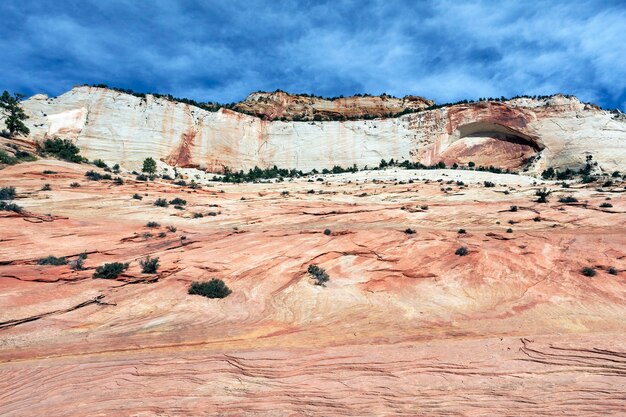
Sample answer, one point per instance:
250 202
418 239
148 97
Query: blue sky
224 49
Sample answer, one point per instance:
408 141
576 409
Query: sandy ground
404 326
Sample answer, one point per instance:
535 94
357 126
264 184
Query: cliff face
280 105
125 129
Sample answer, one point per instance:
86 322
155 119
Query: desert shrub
149 265
327 232
215 288
78 263
212 213
74 185
606 205
62 149
46 187
161 202
116 168
179 207
409 231
166 177
178 201
107 177
172 229
93 175
319 274
462 251
424 207
612 270
489 184
162 234
513 208
52 260
152 224
537 219
4 206
137 197
461 231
568 199
471 164
198 215
7 159
509 230
48 172
543 195
141 177
100 163
111 270
118 181
588 271
608 183
7 193
147 235
182 183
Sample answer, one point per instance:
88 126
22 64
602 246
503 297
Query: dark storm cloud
223 50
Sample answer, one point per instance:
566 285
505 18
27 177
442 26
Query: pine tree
13 113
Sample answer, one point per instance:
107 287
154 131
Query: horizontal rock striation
520 133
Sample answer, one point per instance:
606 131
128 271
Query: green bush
110 271
4 206
606 205
7 193
543 195
319 274
137 197
409 231
46 187
93 175
152 224
462 251
612 270
568 199
489 184
172 229
161 202
100 163
52 260
74 185
178 201
588 271
149 265
62 149
327 232
215 288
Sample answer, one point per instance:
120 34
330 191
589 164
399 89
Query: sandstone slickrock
121 128
403 327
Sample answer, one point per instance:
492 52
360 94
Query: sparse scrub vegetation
161 202
74 185
110 270
612 270
137 197
462 251
489 184
172 229
568 199
7 193
4 206
543 195
152 224
178 201
78 263
327 232
52 260
149 265
63 149
46 187
606 205
215 288
319 274
588 271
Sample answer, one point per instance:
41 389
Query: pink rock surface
404 326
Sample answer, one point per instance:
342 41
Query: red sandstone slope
404 327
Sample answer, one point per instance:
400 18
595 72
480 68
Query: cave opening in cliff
491 144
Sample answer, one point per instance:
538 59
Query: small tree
14 114
149 166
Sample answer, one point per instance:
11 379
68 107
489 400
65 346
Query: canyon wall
122 128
